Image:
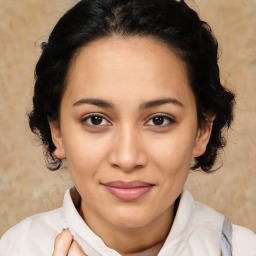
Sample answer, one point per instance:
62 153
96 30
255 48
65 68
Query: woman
128 92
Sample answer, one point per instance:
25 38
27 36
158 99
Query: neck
147 240
152 251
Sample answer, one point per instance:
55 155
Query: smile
128 191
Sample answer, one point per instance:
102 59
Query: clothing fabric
196 231
226 238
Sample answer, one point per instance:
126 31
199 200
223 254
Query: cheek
173 154
172 158
85 154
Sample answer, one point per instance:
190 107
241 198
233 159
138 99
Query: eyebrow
159 102
96 102
149 104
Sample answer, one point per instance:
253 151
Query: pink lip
128 191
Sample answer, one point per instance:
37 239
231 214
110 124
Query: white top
196 231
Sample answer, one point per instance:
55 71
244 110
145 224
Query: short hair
169 21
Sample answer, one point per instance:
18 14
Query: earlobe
203 137
57 140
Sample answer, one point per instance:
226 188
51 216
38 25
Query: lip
128 191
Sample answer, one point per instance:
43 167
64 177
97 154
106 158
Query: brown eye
95 120
160 120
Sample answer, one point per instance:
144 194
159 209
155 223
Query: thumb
62 243
76 250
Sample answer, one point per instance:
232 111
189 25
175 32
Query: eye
160 120
95 120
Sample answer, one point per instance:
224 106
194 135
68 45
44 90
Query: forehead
116 66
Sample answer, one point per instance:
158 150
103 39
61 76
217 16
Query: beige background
27 187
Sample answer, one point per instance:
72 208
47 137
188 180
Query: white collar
182 227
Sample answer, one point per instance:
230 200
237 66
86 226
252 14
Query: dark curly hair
168 21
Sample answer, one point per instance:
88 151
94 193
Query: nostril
127 151
127 163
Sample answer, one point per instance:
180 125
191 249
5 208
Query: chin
129 220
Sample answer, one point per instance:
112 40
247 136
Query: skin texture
64 245
127 144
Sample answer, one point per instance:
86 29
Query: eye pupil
158 120
96 120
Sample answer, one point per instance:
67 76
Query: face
128 129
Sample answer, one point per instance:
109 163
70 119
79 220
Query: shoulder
205 217
24 236
208 228
243 241
196 228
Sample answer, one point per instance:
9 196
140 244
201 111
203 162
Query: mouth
128 191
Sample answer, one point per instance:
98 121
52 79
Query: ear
57 140
203 136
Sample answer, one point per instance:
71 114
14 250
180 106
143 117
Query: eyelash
169 119
85 120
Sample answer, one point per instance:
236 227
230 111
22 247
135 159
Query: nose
127 151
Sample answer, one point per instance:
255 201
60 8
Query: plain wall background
27 187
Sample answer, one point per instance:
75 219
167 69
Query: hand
65 245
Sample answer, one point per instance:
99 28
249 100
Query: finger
76 250
62 243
